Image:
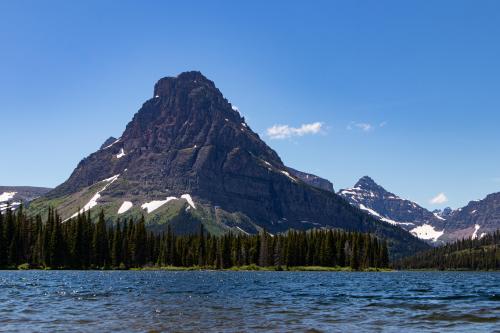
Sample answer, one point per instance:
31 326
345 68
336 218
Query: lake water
93 301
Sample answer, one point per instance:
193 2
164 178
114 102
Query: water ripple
153 301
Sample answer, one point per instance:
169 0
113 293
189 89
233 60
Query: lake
143 301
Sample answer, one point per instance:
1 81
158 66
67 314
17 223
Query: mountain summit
369 184
188 157
388 207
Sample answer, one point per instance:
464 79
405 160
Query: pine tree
201 247
79 243
264 249
100 242
116 247
355 253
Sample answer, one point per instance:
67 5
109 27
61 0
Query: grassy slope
175 213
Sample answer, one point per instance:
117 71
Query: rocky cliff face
187 149
312 180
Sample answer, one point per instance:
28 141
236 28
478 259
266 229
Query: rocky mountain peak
187 129
444 213
369 184
390 208
184 82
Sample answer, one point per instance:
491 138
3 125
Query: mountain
388 207
441 226
444 213
188 157
475 220
312 180
13 196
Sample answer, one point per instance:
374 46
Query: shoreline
249 268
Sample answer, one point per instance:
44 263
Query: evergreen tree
80 243
100 242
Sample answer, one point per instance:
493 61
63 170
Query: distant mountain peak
443 213
368 183
388 207
366 179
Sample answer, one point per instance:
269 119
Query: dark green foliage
81 243
466 254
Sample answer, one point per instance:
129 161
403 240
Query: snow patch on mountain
109 146
6 196
126 205
155 204
93 201
12 205
439 217
120 154
476 228
243 231
427 232
288 175
188 198
369 210
383 218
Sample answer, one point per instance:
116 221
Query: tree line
82 243
465 254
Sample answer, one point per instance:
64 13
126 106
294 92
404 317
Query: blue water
91 301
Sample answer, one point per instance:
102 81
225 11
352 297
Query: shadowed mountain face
188 148
476 218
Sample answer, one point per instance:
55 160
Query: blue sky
406 92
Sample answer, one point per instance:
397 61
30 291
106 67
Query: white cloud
365 127
285 131
438 199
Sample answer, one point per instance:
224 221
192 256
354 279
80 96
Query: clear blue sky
73 74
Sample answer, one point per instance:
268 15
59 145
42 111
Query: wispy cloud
438 199
286 131
365 127
496 179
